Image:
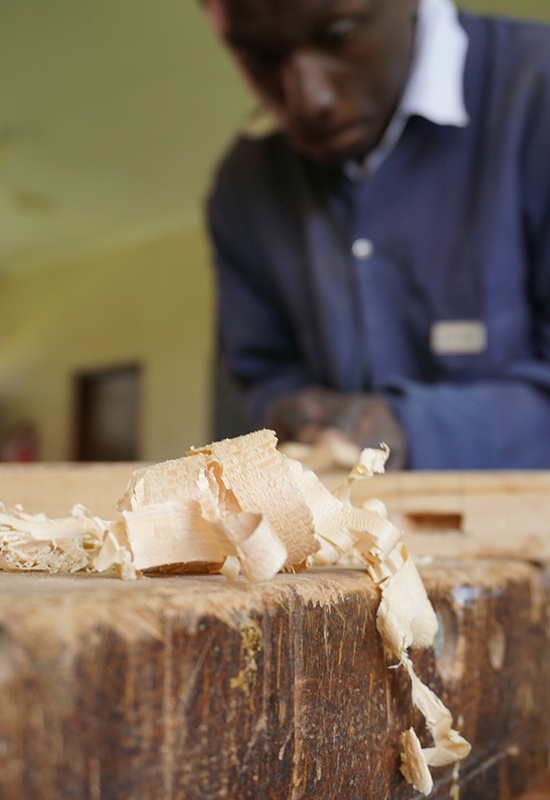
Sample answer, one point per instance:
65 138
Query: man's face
331 70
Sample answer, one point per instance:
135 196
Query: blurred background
113 114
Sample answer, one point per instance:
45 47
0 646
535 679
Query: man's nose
308 90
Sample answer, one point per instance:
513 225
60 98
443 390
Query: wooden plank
480 513
188 688
55 488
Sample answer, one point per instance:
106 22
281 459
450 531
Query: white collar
435 87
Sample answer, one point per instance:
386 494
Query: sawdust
252 642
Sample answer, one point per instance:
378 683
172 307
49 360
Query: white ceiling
112 113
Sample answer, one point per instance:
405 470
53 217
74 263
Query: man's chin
332 158
334 151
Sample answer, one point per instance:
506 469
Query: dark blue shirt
454 227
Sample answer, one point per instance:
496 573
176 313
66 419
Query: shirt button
362 248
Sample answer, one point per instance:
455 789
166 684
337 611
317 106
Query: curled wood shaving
369 462
259 550
172 532
405 616
341 527
450 746
231 568
414 767
257 475
234 499
176 532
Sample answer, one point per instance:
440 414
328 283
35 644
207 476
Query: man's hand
316 413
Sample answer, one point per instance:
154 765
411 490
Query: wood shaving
80 542
328 453
405 616
246 474
414 767
240 506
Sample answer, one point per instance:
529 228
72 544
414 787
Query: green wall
146 303
536 9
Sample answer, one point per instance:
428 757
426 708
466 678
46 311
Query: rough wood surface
192 688
539 790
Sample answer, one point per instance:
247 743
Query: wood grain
539 790
192 688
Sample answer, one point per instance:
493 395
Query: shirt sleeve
256 344
492 424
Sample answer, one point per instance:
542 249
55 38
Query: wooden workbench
194 688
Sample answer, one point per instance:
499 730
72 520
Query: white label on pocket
458 337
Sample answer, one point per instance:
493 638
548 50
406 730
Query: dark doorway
107 414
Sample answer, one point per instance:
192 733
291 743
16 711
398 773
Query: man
383 258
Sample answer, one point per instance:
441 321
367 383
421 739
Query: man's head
331 70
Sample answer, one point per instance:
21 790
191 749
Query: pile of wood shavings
80 542
242 507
